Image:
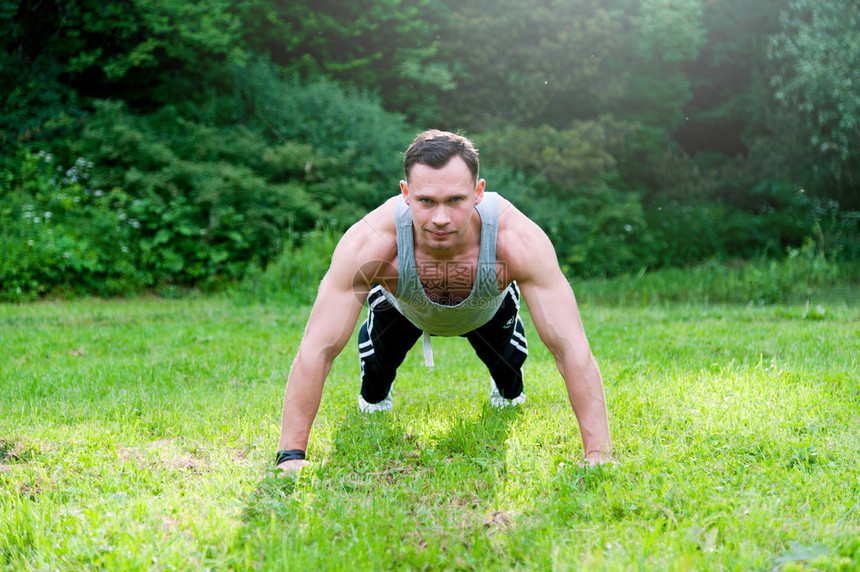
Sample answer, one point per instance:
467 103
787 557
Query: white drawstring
428 351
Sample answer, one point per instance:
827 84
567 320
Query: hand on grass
291 467
595 458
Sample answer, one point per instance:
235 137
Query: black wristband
289 455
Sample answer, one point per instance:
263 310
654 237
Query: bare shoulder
368 245
522 246
375 231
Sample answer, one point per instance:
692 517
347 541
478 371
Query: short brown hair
435 148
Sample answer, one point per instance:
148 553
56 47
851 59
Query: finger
600 460
292 467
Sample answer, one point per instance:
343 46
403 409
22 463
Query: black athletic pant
386 336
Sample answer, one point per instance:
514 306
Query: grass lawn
141 435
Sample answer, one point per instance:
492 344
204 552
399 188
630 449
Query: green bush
567 182
361 143
200 193
204 211
60 234
295 276
208 196
614 200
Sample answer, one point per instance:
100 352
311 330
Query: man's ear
404 192
479 191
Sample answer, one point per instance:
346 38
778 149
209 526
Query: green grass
141 434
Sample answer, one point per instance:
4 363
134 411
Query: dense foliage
153 144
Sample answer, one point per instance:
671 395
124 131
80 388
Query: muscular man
443 258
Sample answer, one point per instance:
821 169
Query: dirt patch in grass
497 520
32 489
15 456
392 473
162 455
18 450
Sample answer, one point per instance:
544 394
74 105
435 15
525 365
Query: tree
664 36
59 56
729 77
817 55
558 61
389 47
531 63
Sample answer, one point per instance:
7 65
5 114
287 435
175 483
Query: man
443 258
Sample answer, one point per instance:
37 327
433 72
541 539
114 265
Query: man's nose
440 216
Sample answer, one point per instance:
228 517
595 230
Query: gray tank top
483 301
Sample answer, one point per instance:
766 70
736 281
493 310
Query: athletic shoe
499 402
384 405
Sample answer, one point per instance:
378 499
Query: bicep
551 302
555 315
332 318
340 297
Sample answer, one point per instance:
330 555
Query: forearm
585 392
301 401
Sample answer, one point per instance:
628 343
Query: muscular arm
355 266
552 306
330 326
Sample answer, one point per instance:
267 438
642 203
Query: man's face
442 202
